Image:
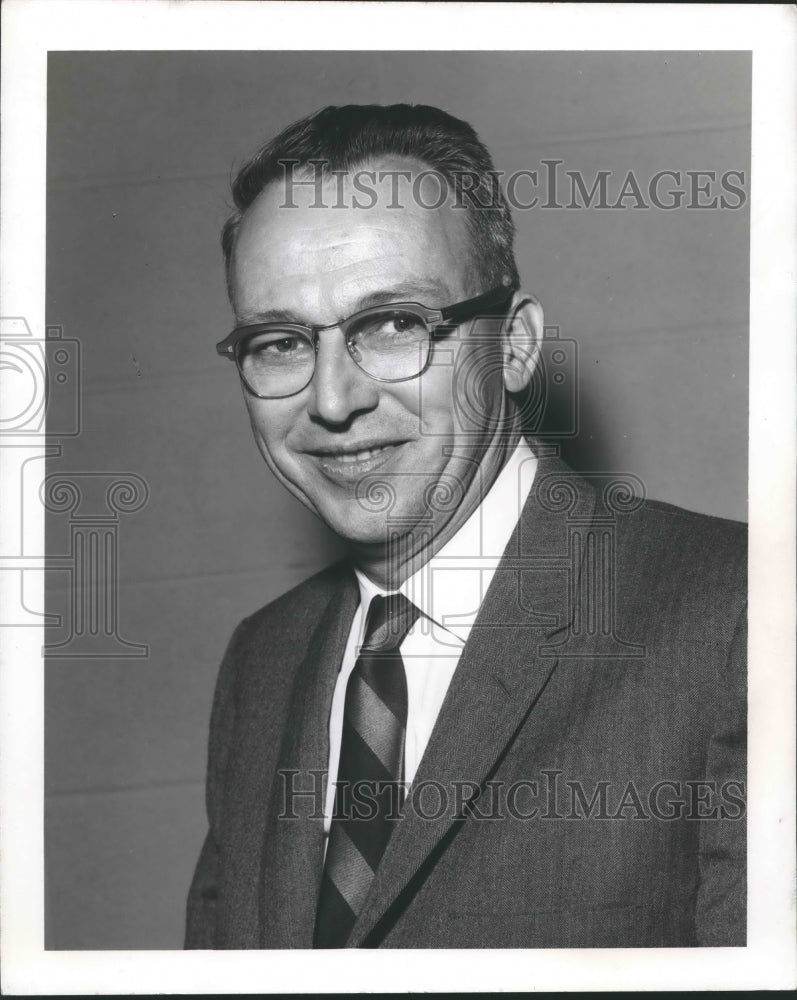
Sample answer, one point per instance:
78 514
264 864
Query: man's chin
370 533
370 529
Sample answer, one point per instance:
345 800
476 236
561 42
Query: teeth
358 456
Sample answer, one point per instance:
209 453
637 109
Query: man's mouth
356 460
358 456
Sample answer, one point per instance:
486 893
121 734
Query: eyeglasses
389 343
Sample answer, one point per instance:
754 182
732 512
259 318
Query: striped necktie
369 790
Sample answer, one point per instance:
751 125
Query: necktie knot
389 620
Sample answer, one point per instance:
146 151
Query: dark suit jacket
603 681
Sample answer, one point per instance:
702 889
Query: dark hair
344 137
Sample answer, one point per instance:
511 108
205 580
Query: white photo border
30 31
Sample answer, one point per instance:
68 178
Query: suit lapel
294 843
501 674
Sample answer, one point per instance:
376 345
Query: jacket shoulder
295 613
684 568
267 645
698 539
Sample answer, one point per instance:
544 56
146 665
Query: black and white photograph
398 484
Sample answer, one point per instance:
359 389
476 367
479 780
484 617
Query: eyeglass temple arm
471 307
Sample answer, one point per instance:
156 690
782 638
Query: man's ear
522 336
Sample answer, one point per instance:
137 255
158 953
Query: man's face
317 266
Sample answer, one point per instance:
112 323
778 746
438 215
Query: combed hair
343 138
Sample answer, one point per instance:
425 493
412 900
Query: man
514 717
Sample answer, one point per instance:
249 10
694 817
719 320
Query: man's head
361 206
345 138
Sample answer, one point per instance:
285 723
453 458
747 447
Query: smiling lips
353 462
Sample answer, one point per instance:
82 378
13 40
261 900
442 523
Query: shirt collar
449 588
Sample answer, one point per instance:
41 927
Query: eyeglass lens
391 344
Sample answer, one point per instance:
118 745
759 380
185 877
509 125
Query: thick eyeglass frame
437 321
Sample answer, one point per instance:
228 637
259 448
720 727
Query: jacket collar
293 846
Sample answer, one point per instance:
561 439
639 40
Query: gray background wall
140 150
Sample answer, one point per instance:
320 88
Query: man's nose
339 389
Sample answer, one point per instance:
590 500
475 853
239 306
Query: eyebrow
405 291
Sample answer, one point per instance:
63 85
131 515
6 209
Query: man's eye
389 328
406 324
403 324
284 346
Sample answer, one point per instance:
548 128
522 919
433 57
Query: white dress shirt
449 590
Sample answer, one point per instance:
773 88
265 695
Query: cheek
463 388
270 425
478 387
434 401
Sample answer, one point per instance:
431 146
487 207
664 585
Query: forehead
326 242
